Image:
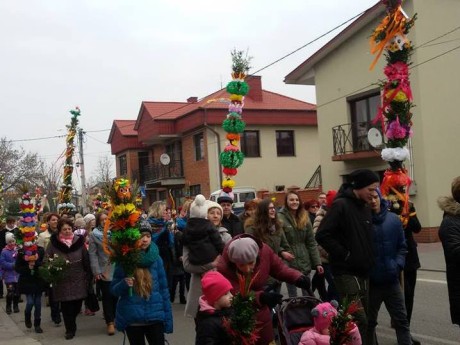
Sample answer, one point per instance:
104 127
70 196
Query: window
143 159
363 111
198 142
285 143
250 143
123 165
195 189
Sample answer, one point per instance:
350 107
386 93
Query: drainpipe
218 142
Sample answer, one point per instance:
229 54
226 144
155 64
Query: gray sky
109 56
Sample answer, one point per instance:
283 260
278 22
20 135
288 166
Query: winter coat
449 233
224 235
164 239
7 261
233 225
276 241
319 217
314 337
209 325
267 264
75 284
302 242
346 234
389 248
203 241
177 266
136 310
195 291
30 283
413 227
99 259
44 238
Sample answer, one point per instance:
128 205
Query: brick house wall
195 172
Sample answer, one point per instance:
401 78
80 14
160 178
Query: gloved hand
270 299
304 283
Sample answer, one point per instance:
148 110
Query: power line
34 139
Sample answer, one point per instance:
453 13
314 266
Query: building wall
195 172
438 83
345 72
268 171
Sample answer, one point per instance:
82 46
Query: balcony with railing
350 141
159 174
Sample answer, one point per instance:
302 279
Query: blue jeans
392 296
34 300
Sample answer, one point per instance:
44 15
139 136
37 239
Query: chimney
192 99
255 87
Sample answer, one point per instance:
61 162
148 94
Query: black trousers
54 306
177 279
153 332
109 302
410 279
70 310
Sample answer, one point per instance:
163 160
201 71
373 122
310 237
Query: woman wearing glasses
312 207
299 233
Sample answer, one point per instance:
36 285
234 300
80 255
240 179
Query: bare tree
104 170
52 178
18 166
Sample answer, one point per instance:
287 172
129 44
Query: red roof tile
126 127
271 101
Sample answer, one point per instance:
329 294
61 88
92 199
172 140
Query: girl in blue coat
147 313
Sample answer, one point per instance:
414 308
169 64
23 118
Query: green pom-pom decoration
232 125
231 159
238 88
127 235
234 115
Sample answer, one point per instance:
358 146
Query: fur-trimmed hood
449 205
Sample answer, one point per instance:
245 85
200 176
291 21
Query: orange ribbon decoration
394 23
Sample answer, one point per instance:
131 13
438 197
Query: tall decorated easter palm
394 113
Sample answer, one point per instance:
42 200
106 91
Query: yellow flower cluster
228 183
399 97
121 209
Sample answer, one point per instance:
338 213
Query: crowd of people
348 241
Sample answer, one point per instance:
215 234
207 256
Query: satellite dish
164 159
374 137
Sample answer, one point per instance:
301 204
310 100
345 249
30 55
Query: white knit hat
9 237
198 208
211 204
89 217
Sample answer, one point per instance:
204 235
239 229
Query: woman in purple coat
245 254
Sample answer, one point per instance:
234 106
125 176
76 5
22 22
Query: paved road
431 319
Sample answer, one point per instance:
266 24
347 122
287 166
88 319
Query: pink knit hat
214 286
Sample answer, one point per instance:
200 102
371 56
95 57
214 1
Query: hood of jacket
378 218
449 205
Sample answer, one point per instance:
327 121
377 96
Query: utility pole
84 197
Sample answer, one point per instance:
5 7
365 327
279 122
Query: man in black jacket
346 234
230 221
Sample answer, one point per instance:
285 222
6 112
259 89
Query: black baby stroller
294 318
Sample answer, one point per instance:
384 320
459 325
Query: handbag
91 300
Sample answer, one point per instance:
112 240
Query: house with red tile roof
348 97
173 147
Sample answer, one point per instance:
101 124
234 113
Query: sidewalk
10 333
431 256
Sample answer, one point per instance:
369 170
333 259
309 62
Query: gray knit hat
243 250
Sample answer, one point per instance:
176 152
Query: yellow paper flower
399 97
228 183
234 97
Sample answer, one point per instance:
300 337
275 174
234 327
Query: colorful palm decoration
232 158
394 114
122 223
65 204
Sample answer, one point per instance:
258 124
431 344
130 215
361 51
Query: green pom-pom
233 125
231 159
234 115
238 88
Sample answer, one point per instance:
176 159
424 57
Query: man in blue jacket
389 256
